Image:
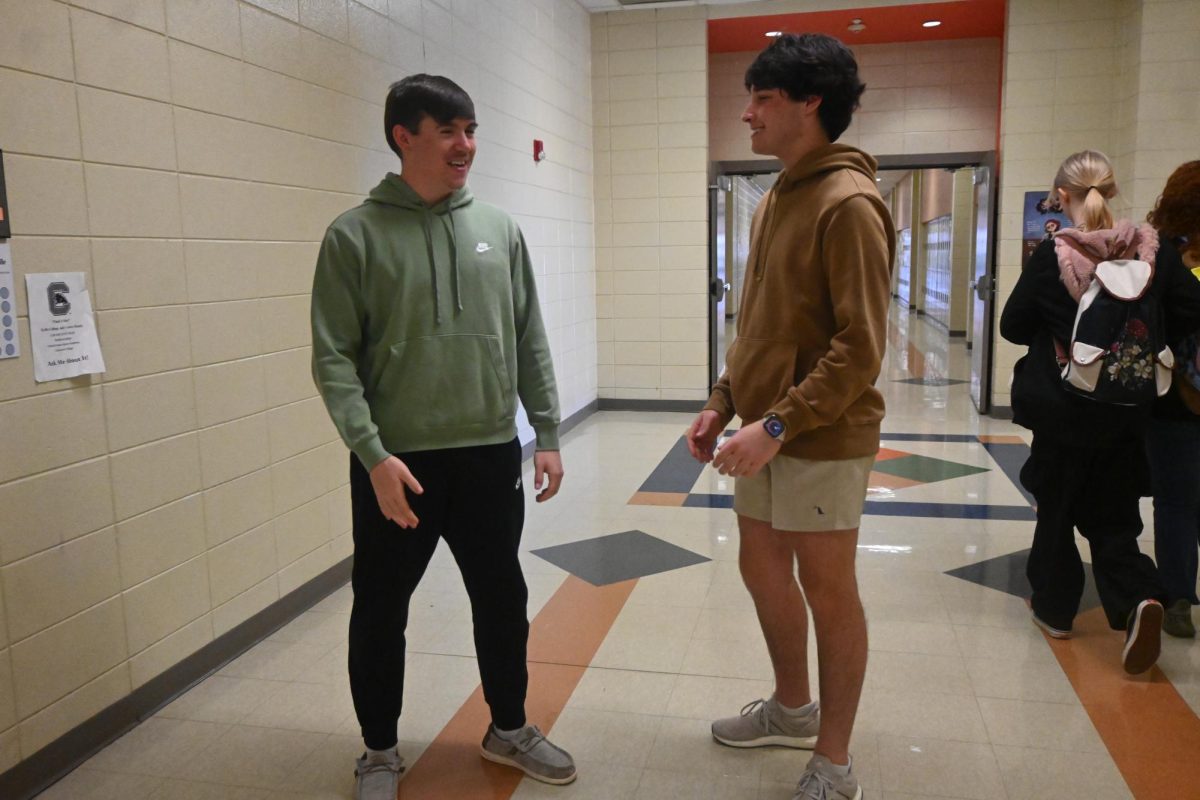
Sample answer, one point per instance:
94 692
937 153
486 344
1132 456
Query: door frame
721 171
973 158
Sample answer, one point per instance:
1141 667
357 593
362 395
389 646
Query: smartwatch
774 426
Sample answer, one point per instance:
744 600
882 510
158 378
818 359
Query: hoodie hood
1080 251
393 190
828 158
822 161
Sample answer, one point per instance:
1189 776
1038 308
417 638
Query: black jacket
1040 310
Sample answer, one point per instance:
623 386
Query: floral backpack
1118 352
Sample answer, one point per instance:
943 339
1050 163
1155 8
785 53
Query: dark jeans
1096 491
474 500
1174 450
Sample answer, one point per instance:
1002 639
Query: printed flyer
62 327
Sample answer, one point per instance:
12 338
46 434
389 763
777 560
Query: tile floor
964 698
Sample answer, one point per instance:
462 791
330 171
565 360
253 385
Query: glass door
983 286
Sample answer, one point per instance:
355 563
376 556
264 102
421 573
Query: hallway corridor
643 633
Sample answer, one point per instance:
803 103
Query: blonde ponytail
1087 177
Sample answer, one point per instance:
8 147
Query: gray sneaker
1178 622
377 777
761 723
821 782
532 753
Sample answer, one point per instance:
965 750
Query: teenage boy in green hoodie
426 330
801 376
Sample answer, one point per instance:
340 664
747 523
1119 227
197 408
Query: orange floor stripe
1150 731
657 499
1000 439
916 362
882 480
563 639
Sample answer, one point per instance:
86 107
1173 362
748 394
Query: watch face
774 427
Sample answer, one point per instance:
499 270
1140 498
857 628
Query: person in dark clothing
1087 466
1173 440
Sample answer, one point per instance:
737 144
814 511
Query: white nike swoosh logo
482 247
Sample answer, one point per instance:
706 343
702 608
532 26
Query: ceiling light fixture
773 34
856 25
931 23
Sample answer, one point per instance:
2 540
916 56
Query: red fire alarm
539 150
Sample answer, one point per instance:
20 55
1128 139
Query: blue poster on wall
1040 221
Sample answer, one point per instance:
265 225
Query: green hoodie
426 326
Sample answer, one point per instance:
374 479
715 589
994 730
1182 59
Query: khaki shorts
796 494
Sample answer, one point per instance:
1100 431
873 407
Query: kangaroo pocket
760 373
442 382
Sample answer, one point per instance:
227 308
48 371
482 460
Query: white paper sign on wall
62 327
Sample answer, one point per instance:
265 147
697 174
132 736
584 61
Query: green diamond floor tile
926 469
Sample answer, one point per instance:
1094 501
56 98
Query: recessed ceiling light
773 34
856 25
931 23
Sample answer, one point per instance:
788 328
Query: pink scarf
1077 264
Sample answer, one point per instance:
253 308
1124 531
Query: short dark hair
811 65
411 99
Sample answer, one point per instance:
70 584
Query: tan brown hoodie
813 320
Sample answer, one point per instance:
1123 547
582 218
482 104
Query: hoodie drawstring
394 191
454 258
769 223
437 298
453 234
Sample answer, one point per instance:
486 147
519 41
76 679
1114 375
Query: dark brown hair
1177 212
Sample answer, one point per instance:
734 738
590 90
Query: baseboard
1001 412
77 745
616 404
566 425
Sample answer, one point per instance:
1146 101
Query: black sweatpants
1096 491
474 500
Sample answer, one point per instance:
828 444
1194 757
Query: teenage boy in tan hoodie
801 377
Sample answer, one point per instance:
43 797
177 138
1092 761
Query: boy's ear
401 136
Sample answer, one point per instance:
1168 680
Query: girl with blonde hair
1087 465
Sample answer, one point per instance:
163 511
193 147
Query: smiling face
779 125
437 157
